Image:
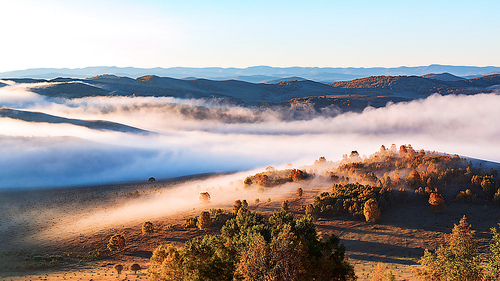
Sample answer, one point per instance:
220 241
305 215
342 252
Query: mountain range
255 74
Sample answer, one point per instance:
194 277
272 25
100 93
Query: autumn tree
204 220
413 179
147 228
371 210
204 197
236 206
284 206
299 192
244 204
116 243
457 259
436 201
494 260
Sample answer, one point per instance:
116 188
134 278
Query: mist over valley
104 129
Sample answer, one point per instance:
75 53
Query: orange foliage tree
436 201
371 211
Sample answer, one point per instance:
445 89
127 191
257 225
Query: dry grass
397 241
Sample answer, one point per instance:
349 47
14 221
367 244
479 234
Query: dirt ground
397 241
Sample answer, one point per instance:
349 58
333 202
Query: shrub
116 243
371 211
204 220
191 222
147 228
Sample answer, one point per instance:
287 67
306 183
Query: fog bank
194 136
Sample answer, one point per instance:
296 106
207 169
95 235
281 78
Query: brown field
33 226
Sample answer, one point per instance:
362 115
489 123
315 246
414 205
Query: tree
250 247
135 267
284 206
413 179
311 211
147 228
494 259
116 243
118 268
244 204
458 259
236 206
299 192
204 197
437 202
204 220
371 210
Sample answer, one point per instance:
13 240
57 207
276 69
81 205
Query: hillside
301 98
39 117
331 203
443 77
415 86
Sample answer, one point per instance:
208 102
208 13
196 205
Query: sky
74 34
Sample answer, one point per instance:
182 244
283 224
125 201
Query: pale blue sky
56 33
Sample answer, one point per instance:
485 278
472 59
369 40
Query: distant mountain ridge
254 74
353 95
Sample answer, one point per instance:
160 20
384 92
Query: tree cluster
253 248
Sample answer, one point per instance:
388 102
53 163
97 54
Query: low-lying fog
192 136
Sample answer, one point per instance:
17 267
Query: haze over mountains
256 74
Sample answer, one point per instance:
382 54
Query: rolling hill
30 116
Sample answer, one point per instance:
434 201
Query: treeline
272 177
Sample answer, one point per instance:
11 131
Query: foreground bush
253 248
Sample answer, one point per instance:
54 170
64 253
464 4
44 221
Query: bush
147 228
116 243
191 222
